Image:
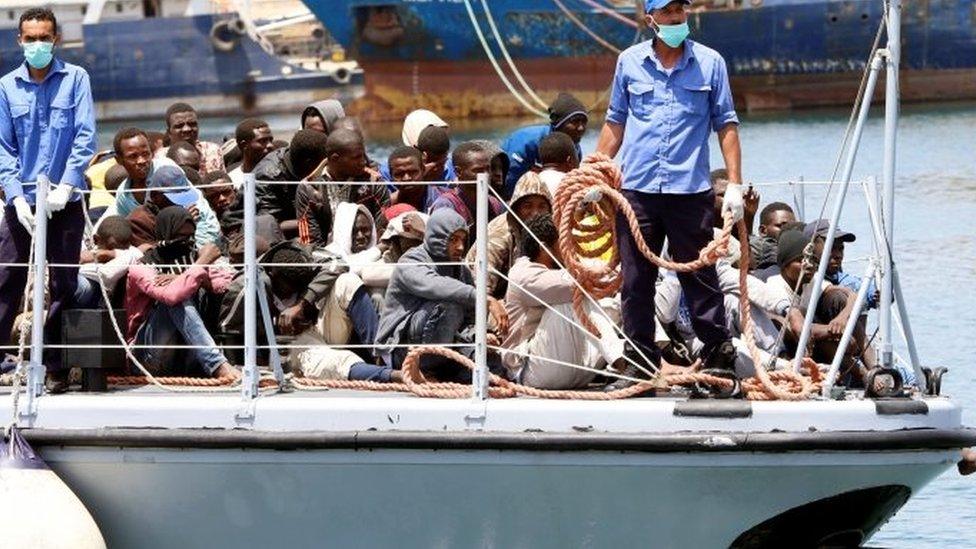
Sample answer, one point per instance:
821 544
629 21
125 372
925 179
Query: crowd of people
364 257
351 248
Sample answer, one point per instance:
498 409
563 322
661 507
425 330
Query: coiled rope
593 190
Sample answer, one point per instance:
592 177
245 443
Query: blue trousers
177 325
686 221
64 231
88 294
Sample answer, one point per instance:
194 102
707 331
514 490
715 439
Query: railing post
249 383
36 369
888 177
817 281
906 327
801 199
480 377
862 291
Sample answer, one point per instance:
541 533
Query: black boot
57 381
722 358
630 370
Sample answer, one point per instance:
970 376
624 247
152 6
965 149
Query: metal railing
255 304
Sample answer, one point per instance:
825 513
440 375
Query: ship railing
253 299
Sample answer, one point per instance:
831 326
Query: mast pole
888 177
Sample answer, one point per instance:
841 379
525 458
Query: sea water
935 242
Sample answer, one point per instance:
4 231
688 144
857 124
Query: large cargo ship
780 53
142 56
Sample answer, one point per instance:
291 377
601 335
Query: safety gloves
58 198
24 214
734 202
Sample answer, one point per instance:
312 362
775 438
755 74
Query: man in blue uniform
667 95
47 128
566 115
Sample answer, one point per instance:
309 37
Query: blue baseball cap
178 188
651 5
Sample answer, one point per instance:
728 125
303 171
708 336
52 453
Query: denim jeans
177 325
88 294
436 322
362 313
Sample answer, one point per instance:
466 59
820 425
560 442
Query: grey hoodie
411 286
330 110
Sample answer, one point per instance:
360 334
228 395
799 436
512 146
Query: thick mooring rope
593 191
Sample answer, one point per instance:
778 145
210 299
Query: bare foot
396 376
225 370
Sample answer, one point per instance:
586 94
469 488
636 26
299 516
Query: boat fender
933 380
342 75
878 388
223 37
31 495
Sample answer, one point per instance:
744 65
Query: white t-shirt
113 270
780 289
551 178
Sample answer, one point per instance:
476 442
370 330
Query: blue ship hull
138 67
779 52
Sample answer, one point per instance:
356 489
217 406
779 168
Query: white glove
733 202
58 198
24 214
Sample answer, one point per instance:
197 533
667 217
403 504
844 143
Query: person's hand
410 223
104 256
835 328
208 254
751 203
162 280
24 214
497 311
292 320
58 198
194 212
734 202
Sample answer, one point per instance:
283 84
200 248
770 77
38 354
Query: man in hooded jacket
431 304
505 232
322 115
162 300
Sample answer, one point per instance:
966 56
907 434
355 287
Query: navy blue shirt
667 116
522 148
45 128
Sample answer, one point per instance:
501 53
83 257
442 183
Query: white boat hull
341 470
421 498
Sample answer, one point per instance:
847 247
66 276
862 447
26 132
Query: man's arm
618 109
728 139
9 169
83 146
611 136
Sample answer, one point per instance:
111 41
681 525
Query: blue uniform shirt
46 128
667 115
853 283
522 148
